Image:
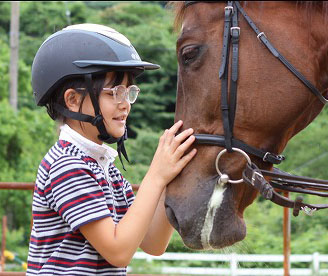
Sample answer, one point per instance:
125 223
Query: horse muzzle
207 218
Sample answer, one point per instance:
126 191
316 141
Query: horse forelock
179 9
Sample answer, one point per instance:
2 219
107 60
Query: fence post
3 245
315 263
149 258
233 264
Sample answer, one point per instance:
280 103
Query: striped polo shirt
77 183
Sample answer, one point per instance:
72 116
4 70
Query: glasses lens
120 93
133 93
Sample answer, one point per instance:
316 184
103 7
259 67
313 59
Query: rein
252 175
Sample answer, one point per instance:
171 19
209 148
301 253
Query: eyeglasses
121 93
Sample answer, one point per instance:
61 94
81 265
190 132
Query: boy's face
114 114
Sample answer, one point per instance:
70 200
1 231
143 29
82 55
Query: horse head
272 105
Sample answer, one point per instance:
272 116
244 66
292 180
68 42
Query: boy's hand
169 158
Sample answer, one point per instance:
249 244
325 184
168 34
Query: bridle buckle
229 8
265 156
253 177
235 28
259 36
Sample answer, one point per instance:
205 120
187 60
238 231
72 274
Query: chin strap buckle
97 120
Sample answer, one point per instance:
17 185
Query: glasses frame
114 90
126 92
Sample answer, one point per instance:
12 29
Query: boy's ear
72 99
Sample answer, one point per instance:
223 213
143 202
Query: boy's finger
184 146
172 131
187 158
183 135
175 127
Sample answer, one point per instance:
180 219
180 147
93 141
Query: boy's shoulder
64 151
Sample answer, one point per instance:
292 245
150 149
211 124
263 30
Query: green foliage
40 19
16 244
307 152
4 16
24 81
4 69
25 138
8 140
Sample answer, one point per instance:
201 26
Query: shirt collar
92 149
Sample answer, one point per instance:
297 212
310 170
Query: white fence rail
313 269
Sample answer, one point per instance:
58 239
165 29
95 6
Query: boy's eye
109 92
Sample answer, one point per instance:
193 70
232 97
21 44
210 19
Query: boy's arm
118 243
159 232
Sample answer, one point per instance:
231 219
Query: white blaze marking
212 206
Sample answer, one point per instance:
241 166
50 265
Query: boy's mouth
120 118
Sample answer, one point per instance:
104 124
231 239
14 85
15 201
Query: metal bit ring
218 159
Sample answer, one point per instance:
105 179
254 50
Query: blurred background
27 132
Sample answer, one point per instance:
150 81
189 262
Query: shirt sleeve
128 192
74 192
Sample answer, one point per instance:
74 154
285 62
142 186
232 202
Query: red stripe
57 238
72 173
64 145
121 210
45 215
47 190
34 265
77 262
86 159
128 194
103 182
118 184
79 200
45 164
39 191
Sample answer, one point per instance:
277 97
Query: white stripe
213 205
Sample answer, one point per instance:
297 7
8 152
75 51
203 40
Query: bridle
252 175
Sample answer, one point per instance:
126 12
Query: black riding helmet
84 50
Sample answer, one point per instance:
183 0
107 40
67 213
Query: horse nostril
172 218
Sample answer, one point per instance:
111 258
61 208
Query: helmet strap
97 121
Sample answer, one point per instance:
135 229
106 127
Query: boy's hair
74 83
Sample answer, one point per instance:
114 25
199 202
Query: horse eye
189 53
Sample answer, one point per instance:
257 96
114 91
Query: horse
271 106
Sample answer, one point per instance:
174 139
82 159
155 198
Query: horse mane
179 10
